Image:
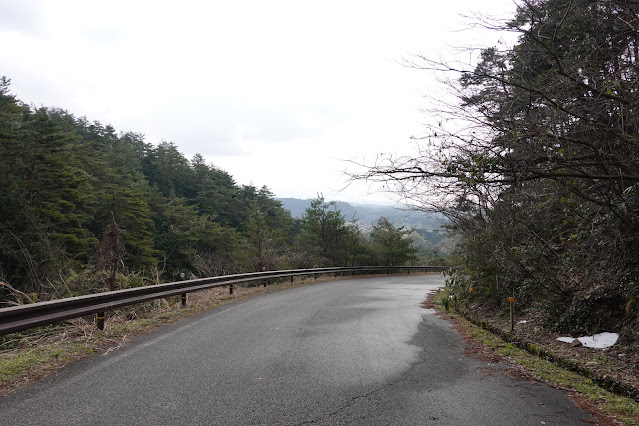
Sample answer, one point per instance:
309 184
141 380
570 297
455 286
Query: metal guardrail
24 317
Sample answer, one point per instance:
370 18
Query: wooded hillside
84 208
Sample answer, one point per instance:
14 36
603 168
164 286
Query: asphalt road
359 352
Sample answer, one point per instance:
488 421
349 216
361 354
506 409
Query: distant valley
367 215
429 236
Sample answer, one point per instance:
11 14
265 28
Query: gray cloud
24 16
257 91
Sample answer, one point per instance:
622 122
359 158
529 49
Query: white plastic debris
522 322
598 341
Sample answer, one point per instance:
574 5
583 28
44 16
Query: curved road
357 352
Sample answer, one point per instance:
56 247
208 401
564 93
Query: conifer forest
86 208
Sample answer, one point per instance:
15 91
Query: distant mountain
367 214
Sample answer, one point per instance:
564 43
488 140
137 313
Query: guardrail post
291 279
231 289
99 320
265 282
183 299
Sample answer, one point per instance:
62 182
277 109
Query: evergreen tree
391 246
215 191
56 185
264 242
326 235
129 208
166 167
183 236
22 241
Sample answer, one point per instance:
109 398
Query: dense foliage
537 165
84 208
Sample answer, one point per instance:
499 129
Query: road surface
360 352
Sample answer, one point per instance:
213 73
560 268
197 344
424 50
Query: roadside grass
586 394
33 354
40 360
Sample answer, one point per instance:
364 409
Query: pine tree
391 245
166 167
54 184
325 234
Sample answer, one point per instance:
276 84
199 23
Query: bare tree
536 161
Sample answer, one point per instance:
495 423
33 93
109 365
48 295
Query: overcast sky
277 93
